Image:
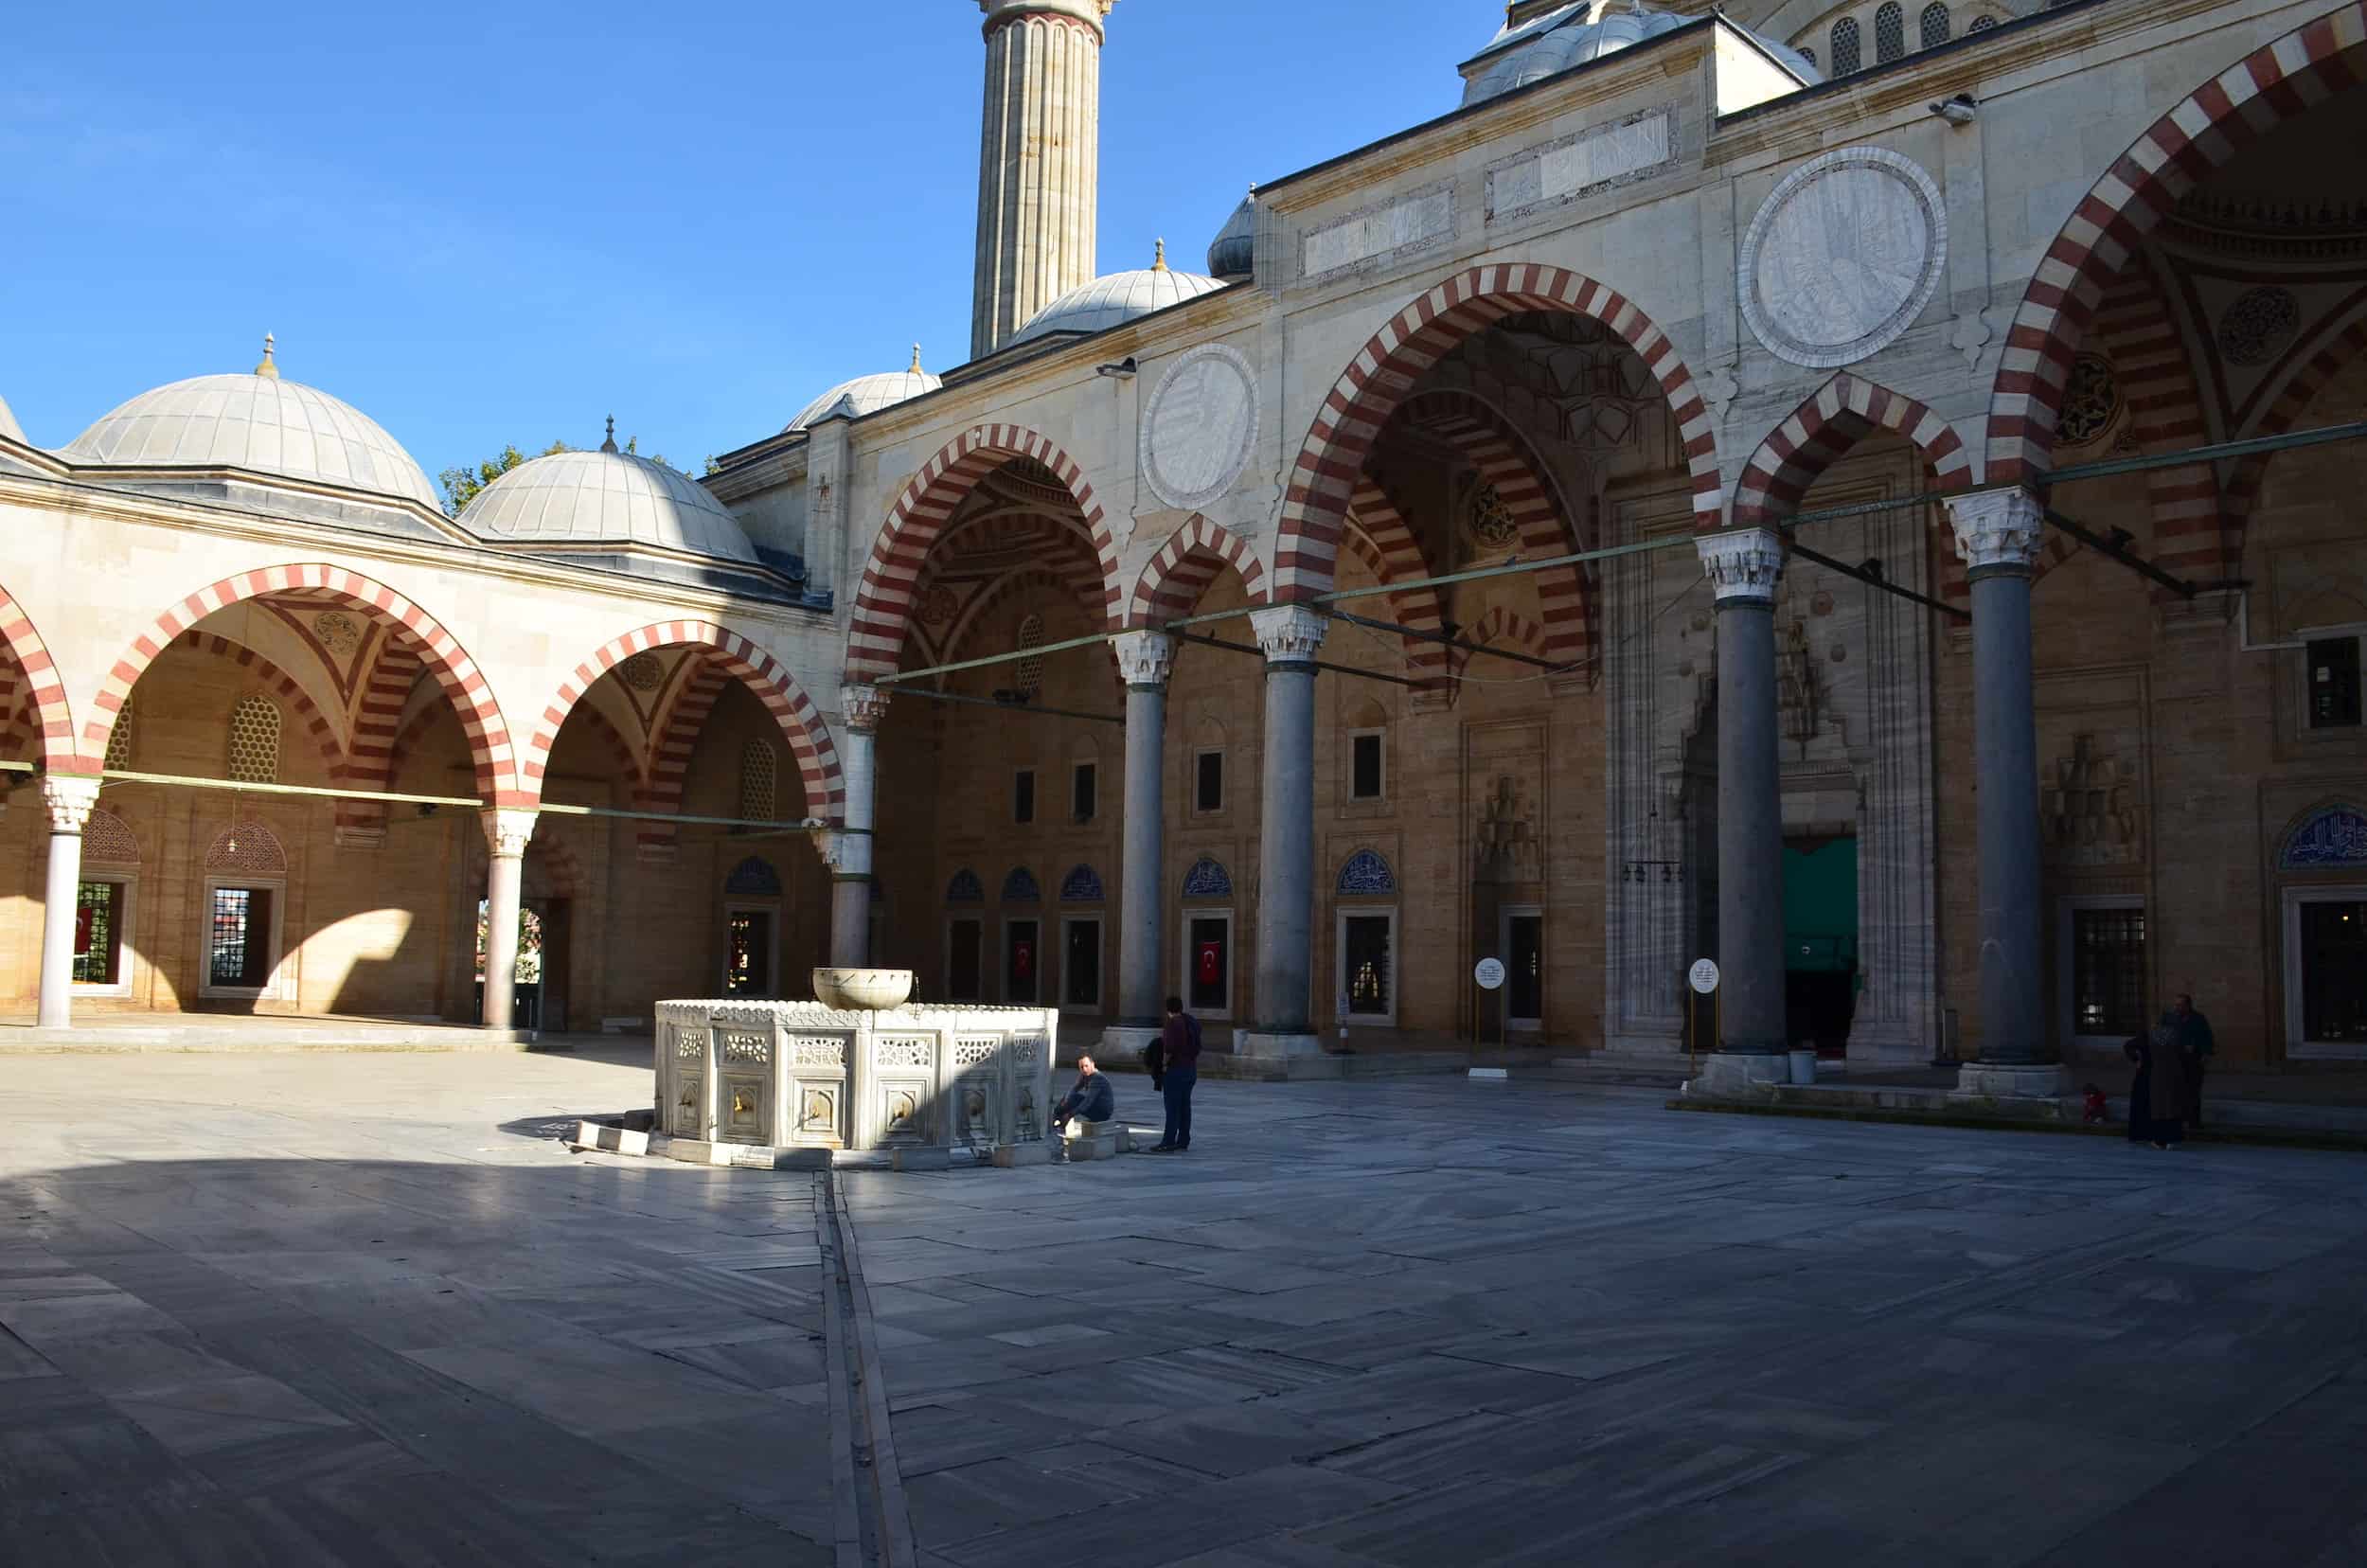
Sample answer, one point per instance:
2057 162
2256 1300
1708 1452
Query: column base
1734 1073
1269 1046
1120 1042
2009 1080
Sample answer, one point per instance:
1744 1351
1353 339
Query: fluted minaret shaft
1038 161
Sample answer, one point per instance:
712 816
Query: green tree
462 484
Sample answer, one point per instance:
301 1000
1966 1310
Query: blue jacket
1091 1099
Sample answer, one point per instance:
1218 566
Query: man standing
2194 1047
1179 1045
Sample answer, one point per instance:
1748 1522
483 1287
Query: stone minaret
1038 161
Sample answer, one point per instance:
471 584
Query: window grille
1844 43
1890 33
1031 670
119 738
1982 24
759 771
1934 26
2108 971
255 741
1808 55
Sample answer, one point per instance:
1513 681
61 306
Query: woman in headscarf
2157 1100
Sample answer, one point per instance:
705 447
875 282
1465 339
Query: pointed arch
52 725
1010 586
808 738
277 684
884 599
1512 465
2157 384
2201 133
394 668
1384 371
697 685
1173 579
1500 628
1836 416
2243 489
455 672
1373 517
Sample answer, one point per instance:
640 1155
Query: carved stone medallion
1843 255
1198 427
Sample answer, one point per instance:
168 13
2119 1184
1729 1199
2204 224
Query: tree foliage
461 485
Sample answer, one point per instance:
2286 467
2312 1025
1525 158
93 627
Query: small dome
1121 297
1233 255
257 422
1585 32
8 426
605 497
869 394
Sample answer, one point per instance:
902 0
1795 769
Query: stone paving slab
369 1310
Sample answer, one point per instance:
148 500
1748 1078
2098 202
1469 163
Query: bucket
1804 1068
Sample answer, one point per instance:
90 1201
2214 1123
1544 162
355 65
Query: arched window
758 770
1982 24
1031 670
1808 55
1846 46
255 740
119 738
1890 33
1935 24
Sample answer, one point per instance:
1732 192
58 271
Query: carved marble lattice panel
817 1051
689 1044
901 1051
749 1050
969 1052
1027 1050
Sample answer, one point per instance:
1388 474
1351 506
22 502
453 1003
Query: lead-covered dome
869 394
1118 298
605 497
257 423
1586 31
8 426
1233 254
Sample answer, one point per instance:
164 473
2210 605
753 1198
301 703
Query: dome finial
268 368
610 445
917 369
1159 257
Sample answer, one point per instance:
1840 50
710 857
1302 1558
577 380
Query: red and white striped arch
52 718
1375 517
1502 628
697 685
1840 413
394 668
1019 583
2134 331
884 598
1173 579
455 672
1384 374
282 688
1505 458
2243 489
2208 127
808 738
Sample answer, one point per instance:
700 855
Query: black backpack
1155 1062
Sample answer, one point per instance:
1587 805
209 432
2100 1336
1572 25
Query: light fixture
1957 110
1123 369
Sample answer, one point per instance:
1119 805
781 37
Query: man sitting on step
1091 1099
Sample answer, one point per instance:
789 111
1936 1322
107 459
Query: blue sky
500 221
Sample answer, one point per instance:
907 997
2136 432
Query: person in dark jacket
1090 1097
1179 1048
2194 1047
2157 1100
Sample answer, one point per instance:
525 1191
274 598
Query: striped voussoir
394 668
1843 412
691 697
1385 370
282 688
1021 583
1173 579
2284 412
2134 331
454 670
2271 84
53 720
1493 445
1501 628
1377 533
801 723
884 599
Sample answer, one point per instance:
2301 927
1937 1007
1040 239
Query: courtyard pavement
333 1309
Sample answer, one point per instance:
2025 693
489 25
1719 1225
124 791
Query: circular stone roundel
1843 255
1199 425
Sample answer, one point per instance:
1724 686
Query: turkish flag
1022 959
1211 962
82 918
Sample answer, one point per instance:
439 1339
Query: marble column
69 801
846 848
1996 535
1289 634
1744 566
507 832
1145 658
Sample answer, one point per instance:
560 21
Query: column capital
1093 13
1290 634
1743 565
507 831
862 706
70 798
844 850
1145 658
1998 530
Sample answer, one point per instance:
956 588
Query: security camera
1959 110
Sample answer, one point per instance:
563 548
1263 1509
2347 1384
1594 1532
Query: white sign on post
1703 977
1489 973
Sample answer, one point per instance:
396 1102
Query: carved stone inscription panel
1843 256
